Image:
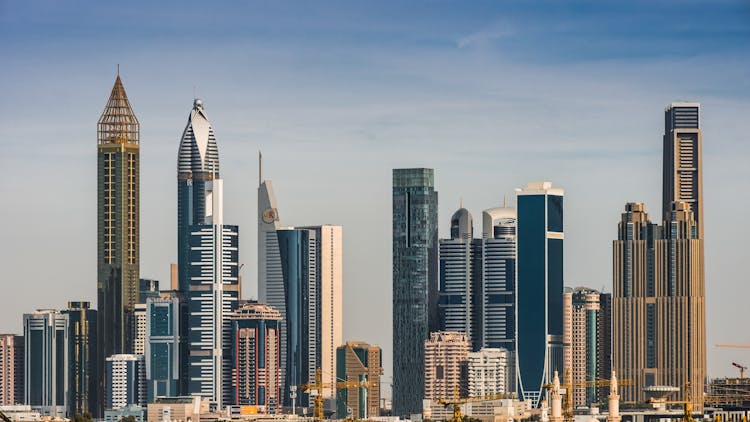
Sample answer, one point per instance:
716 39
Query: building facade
256 357
540 236
415 282
46 375
213 296
147 288
446 365
126 381
487 372
118 193
11 369
139 331
84 396
166 348
358 362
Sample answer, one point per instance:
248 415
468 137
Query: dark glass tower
82 376
415 282
539 335
118 151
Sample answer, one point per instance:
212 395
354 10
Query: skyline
474 89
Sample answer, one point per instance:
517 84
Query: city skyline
586 149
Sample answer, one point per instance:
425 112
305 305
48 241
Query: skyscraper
487 372
683 163
139 332
256 359
197 164
126 381
213 296
356 362
539 343
46 367
11 369
446 365
166 353
118 253
415 282
82 359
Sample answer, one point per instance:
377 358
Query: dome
462 225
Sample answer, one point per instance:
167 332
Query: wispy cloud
486 36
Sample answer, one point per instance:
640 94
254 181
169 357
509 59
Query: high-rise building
126 381
358 362
586 343
256 358
83 393
118 150
46 367
270 276
604 344
11 369
147 288
165 347
139 332
683 163
539 343
415 282
213 296
197 165
487 372
446 365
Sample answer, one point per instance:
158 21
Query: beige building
446 365
182 409
357 362
11 369
581 343
331 301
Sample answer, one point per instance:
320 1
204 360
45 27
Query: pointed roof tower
198 152
118 123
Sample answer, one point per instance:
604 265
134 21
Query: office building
446 365
46 346
213 296
539 342
126 381
586 343
84 395
147 288
118 252
11 369
139 332
415 282
604 344
487 372
358 362
683 162
165 346
256 357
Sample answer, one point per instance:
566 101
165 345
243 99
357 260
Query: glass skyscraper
83 393
166 354
415 282
539 335
46 369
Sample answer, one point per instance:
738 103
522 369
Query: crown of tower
118 123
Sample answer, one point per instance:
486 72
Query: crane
316 390
741 368
458 401
570 384
733 346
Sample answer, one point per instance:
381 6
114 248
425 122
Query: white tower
556 400
614 400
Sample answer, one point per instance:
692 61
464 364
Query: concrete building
177 409
126 381
118 205
256 357
11 369
357 362
118 414
21 413
415 282
165 344
84 395
487 372
46 375
540 237
139 333
213 296
446 365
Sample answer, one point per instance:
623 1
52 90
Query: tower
45 333
82 359
539 334
415 282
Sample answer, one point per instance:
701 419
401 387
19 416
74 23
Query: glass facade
415 282
46 362
165 346
83 393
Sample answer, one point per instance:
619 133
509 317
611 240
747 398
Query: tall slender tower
415 282
683 163
118 150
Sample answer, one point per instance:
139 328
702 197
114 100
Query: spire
260 167
118 123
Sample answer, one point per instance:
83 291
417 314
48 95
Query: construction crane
727 395
570 384
733 346
4 418
316 390
458 401
687 405
741 368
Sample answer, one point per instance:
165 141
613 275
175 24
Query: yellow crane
458 401
319 385
570 384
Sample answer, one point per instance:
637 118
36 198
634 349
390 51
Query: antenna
260 167
461 202
505 200
118 69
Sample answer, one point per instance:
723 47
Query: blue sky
490 94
